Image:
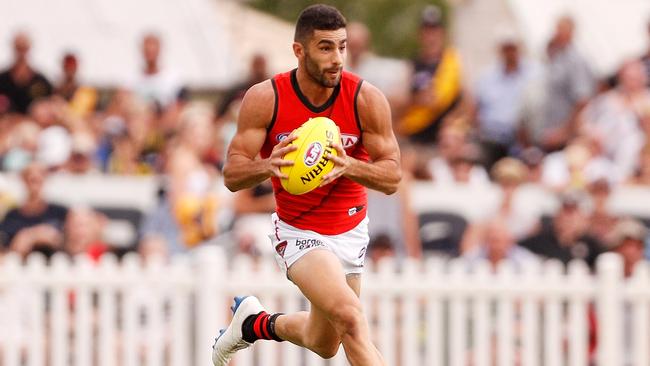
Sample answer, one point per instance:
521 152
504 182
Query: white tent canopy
207 43
607 32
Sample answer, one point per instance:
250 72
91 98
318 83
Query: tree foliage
393 23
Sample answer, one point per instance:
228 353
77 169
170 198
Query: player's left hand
341 164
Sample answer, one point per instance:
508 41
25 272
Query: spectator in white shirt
155 84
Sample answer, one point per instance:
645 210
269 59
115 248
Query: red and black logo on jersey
280 248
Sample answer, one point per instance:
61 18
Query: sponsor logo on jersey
280 248
303 244
313 153
348 140
355 210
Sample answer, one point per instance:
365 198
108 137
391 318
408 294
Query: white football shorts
291 243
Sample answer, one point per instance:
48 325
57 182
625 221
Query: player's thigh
320 276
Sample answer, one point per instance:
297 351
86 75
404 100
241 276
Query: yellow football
310 159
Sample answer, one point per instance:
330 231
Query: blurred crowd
550 123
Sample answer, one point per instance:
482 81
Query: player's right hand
279 151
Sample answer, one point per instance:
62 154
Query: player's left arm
383 173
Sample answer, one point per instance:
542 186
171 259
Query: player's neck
314 91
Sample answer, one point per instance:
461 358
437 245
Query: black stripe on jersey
356 108
275 105
306 102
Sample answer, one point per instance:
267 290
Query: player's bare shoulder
373 108
258 105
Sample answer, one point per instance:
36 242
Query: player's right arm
244 168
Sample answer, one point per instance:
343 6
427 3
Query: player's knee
347 317
325 346
328 350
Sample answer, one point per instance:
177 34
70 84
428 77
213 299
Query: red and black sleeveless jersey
341 205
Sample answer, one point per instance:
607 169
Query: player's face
324 56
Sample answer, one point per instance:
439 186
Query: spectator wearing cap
21 83
564 235
628 239
613 118
436 82
498 97
554 99
36 225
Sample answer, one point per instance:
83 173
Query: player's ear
298 49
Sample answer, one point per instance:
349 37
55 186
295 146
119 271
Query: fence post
609 309
12 272
211 273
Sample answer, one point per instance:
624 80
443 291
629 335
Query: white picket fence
430 313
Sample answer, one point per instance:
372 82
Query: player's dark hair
317 17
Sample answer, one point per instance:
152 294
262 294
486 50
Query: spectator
628 239
81 159
160 232
553 100
601 220
194 203
572 167
252 225
81 99
36 225
155 84
510 174
533 158
564 236
125 157
21 84
69 83
380 248
642 174
257 73
22 145
613 119
436 82
392 218
456 159
497 245
228 108
83 233
389 75
7 200
498 96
